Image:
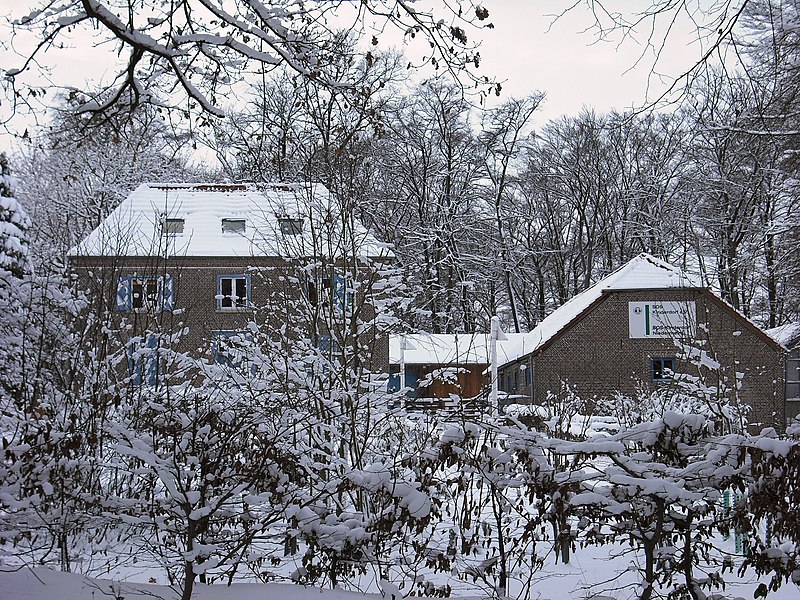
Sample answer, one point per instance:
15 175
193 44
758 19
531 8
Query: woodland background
304 468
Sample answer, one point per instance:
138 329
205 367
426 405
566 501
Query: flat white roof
135 227
449 349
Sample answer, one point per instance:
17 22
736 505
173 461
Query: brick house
209 260
648 325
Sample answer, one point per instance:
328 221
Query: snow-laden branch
205 46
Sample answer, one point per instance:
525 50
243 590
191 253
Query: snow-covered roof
644 272
137 226
788 334
448 349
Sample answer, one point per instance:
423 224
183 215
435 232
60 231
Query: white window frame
221 297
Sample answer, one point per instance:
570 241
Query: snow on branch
199 48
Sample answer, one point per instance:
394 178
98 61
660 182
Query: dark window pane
233 225
152 292
662 369
226 285
137 294
241 292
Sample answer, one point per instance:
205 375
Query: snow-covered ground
587 575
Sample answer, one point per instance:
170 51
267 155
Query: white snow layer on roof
449 349
788 334
136 226
644 272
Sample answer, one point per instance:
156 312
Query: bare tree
429 203
196 50
80 169
505 130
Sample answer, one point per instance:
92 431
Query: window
308 285
173 226
234 225
145 292
290 225
233 349
326 343
663 369
144 367
233 292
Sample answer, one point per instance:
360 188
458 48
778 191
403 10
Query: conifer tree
14 223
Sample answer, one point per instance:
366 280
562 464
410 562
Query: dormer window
173 226
291 225
234 225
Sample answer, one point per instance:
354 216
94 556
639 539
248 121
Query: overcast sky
526 48
564 59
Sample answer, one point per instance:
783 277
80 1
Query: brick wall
278 302
597 357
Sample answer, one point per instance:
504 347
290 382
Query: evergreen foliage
14 224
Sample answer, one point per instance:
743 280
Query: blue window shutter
134 362
340 292
324 343
412 382
143 364
231 348
167 293
394 382
152 360
124 293
217 355
327 343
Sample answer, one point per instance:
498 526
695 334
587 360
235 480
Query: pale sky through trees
532 50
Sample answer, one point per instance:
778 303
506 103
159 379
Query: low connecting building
442 370
202 263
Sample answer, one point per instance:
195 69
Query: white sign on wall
662 319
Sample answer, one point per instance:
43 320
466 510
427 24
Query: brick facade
597 357
279 302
